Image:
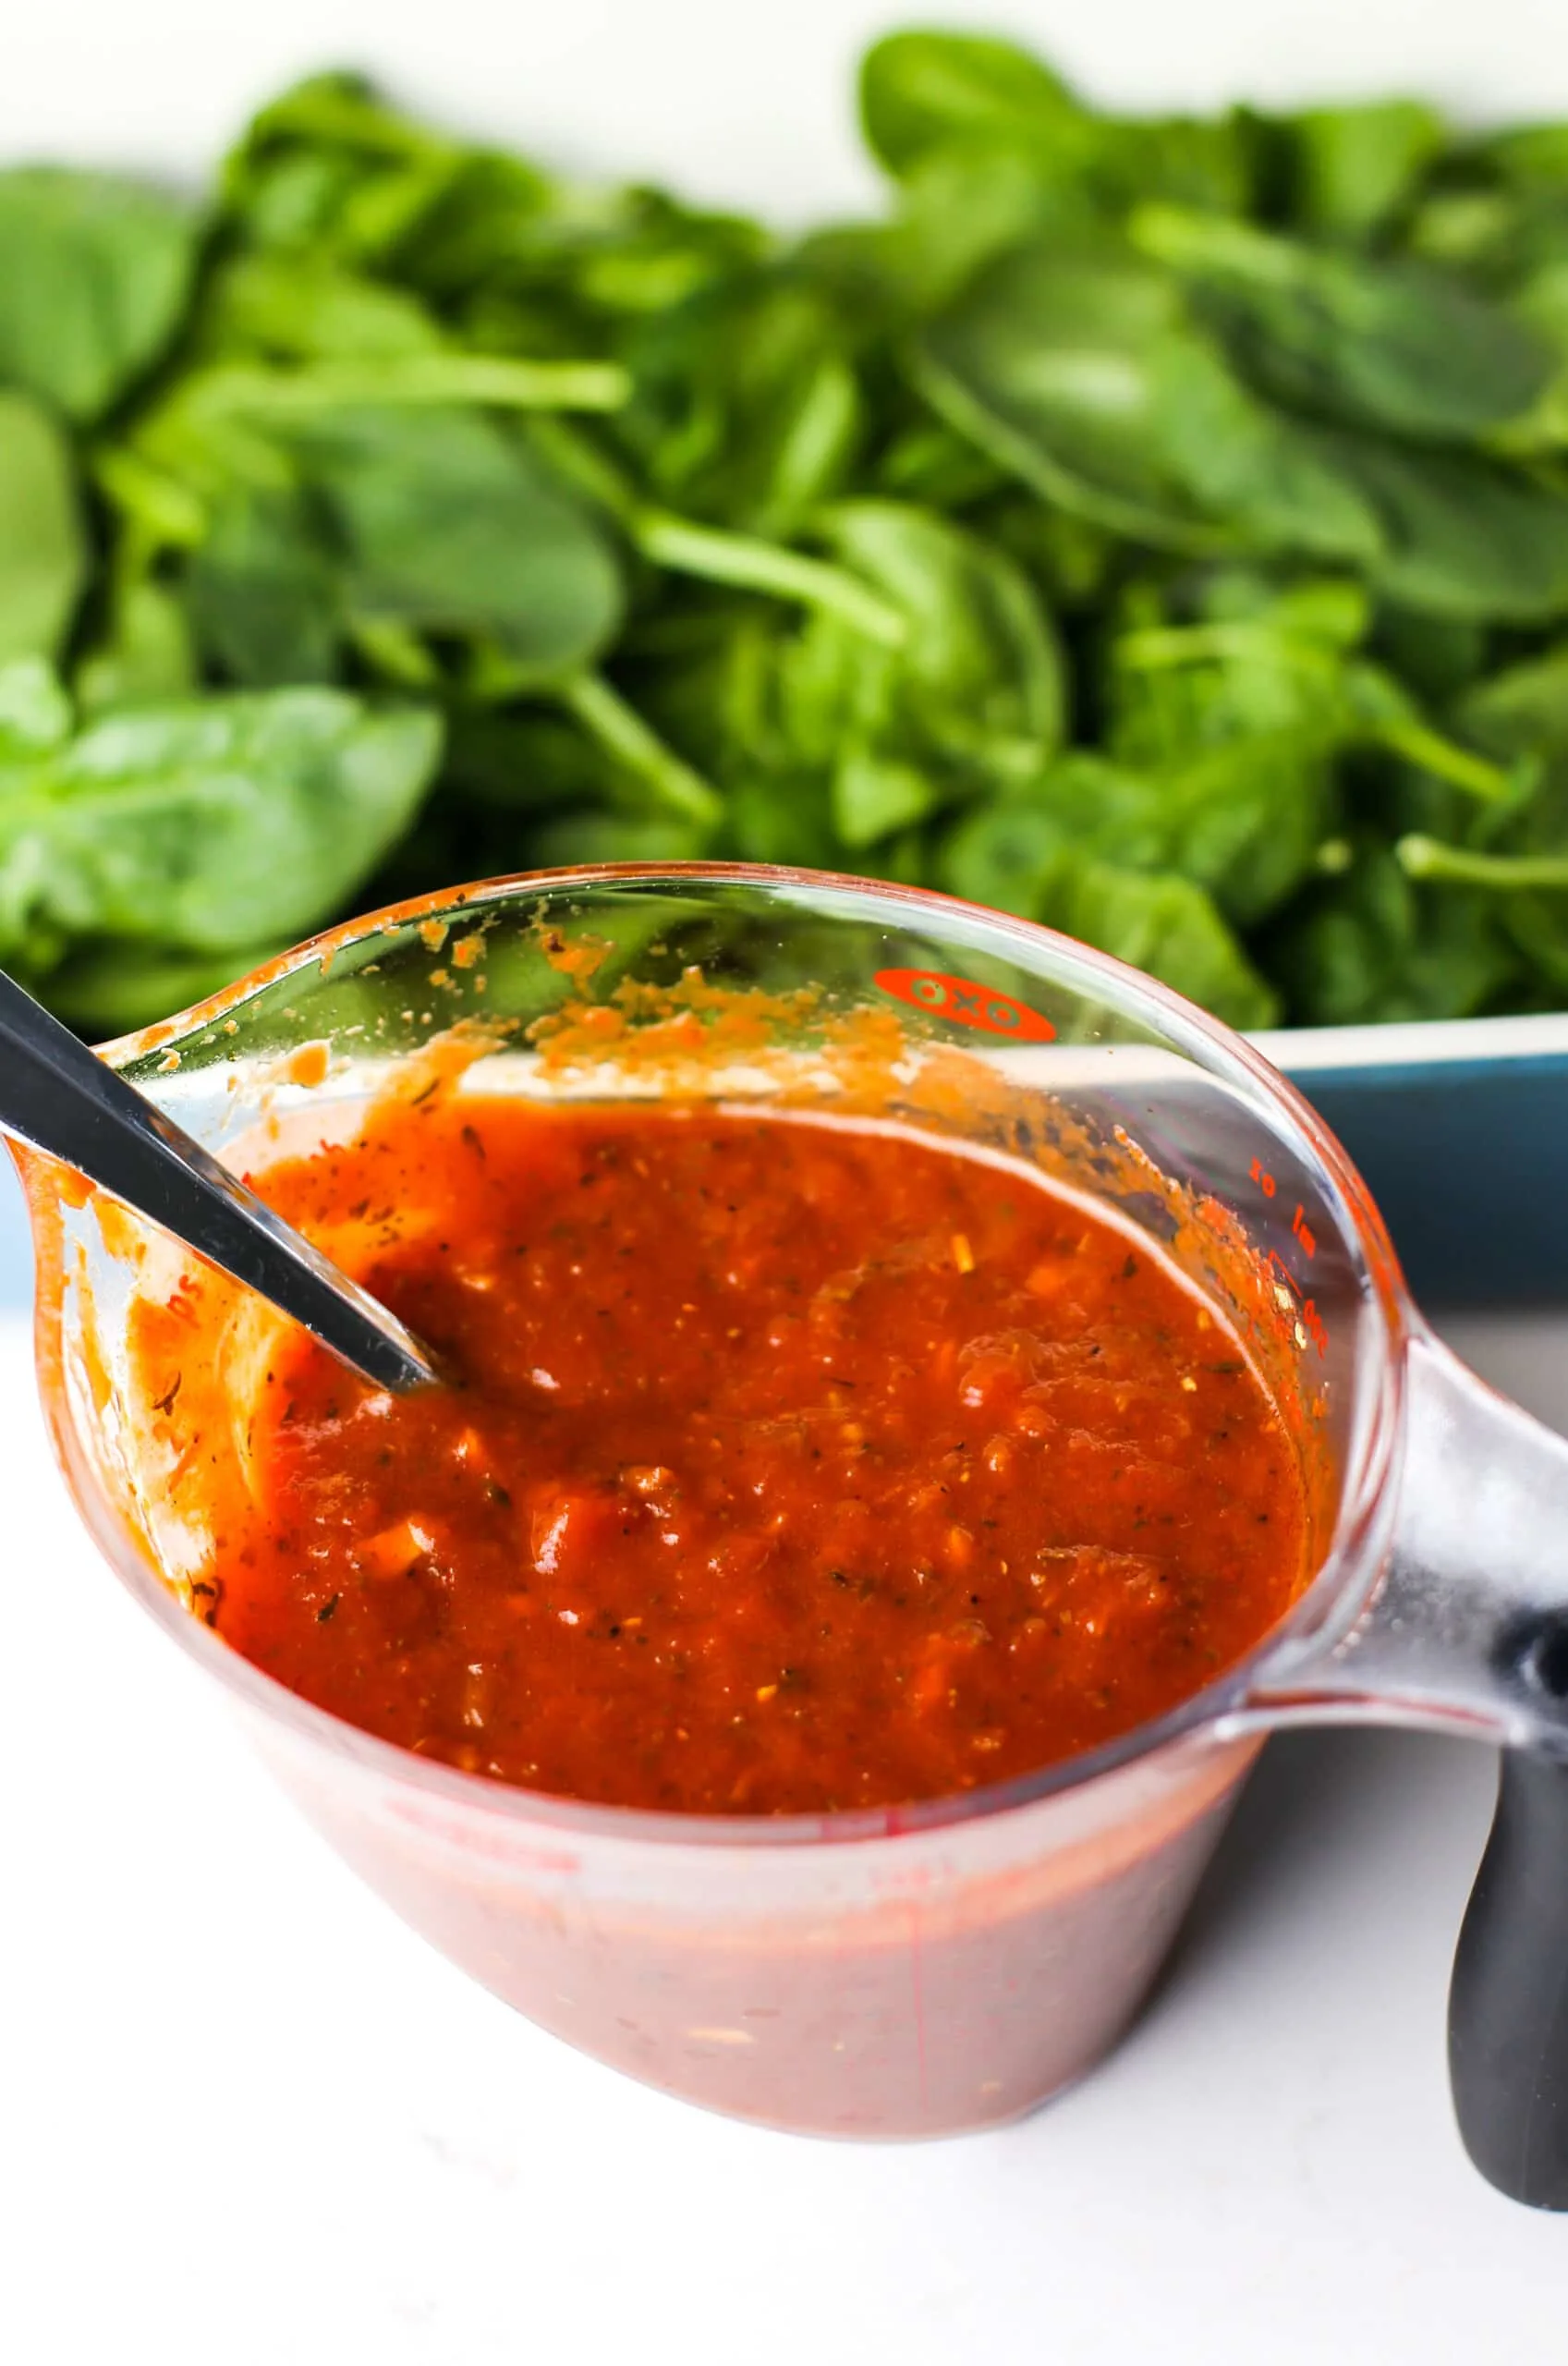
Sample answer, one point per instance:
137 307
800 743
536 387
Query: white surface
1416 1043
737 102
247 2118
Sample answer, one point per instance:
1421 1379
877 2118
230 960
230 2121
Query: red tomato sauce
792 1466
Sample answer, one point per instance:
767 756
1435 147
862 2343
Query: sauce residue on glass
796 1465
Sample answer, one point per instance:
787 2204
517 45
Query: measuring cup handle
1508 2003
1465 1627
1463 1623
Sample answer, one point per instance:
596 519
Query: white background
245 2117
732 99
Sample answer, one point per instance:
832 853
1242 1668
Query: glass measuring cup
924 1969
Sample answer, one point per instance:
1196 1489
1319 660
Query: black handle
1507 2004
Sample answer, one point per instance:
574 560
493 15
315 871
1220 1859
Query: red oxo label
968 1004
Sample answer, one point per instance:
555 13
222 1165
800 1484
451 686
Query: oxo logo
969 1004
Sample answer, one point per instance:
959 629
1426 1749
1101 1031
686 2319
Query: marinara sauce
793 1465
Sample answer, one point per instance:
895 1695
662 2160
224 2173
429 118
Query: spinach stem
155 507
1491 784
395 650
573 452
622 733
1176 645
752 566
1423 857
420 379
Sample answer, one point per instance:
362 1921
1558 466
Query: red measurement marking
1265 1183
1303 1233
970 1005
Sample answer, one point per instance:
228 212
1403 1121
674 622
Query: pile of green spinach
1157 527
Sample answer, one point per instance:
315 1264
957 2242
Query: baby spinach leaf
307 307
1184 160
210 824
146 652
1007 854
1074 366
605 260
451 527
1519 716
1254 661
1518 866
747 403
265 590
43 557
921 92
1041 859
1532 157
1076 565
94 275
1241 821
979 672
1391 345
875 795
1054 362
588 837
1436 657
782 817
970 701
1536 924
1522 710
1374 946
706 670
35 714
1539 299
1352 169
1170 927
931 99
483 214
1462 537
1482 235
432 520
520 760
956 211
1246 820
1269 478
327 166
